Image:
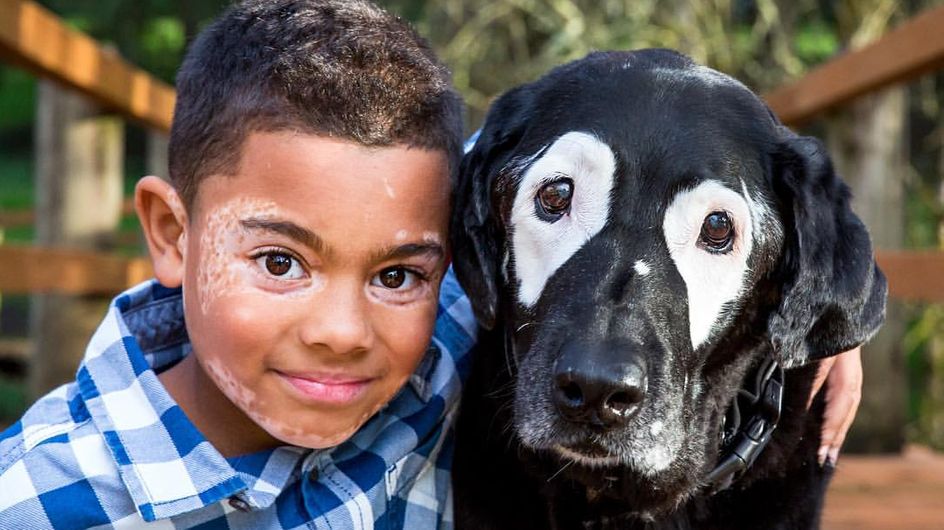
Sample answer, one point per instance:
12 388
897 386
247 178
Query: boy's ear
164 221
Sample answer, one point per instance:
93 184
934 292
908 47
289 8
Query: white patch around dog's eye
543 243
712 278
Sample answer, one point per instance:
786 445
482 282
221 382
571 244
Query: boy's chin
311 429
310 435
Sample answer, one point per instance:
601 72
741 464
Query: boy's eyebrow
408 250
287 228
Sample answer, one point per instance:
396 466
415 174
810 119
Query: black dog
656 258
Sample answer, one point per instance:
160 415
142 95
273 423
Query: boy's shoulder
56 469
95 451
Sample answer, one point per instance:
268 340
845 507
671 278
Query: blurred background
86 95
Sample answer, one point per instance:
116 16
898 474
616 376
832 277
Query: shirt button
239 504
313 474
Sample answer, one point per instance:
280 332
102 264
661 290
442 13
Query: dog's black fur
812 290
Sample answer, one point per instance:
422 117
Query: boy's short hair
339 68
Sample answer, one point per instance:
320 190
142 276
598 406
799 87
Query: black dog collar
743 441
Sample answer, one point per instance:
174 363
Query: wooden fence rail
905 53
36 39
29 269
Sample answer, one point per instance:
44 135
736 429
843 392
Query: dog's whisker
561 470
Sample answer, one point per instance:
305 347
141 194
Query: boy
280 375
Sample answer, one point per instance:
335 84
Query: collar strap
743 442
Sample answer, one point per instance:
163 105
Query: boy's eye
395 278
281 265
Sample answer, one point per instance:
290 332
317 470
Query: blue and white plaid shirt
114 450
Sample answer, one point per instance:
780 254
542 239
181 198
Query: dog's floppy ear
476 232
834 293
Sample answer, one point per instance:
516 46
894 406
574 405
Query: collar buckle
741 446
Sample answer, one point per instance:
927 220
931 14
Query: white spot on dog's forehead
540 247
712 280
641 268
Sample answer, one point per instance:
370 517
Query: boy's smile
310 282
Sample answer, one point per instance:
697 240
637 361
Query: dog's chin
608 479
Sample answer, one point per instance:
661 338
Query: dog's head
643 229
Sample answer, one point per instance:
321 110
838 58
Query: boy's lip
336 389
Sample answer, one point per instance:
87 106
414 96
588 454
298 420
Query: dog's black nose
600 394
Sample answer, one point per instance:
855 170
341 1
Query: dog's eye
717 232
553 199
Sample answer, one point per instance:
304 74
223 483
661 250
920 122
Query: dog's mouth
588 454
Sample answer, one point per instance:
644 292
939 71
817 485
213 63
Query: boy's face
311 279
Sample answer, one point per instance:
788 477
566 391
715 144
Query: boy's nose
339 321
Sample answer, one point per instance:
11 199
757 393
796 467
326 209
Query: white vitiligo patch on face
641 268
432 238
223 268
541 247
711 279
389 189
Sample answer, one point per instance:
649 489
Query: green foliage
17 98
16 181
924 215
12 400
815 43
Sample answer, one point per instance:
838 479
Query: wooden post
79 158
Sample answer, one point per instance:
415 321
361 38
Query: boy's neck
226 427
